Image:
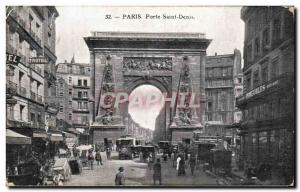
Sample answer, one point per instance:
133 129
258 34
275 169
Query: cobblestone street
137 174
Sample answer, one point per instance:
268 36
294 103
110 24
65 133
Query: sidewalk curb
220 180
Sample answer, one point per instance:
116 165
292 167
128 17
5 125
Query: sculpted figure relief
147 63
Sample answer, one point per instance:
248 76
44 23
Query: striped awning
16 138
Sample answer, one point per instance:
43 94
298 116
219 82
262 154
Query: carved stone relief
147 63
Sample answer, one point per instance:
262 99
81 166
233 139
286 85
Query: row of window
218 60
225 117
35 117
82 119
80 82
257 21
218 72
80 94
274 109
73 69
81 70
261 146
262 74
219 83
80 105
261 43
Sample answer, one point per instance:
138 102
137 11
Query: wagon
61 166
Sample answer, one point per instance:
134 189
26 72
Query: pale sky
145 114
221 24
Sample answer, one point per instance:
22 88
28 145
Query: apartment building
268 101
29 76
73 90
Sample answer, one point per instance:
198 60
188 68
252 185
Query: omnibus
164 146
128 147
203 145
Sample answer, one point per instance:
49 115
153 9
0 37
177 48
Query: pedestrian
120 178
181 168
177 165
174 159
150 162
108 151
192 163
91 159
157 172
165 157
98 157
170 153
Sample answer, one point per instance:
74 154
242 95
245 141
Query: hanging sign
38 60
12 59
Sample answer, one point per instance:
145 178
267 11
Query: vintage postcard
188 96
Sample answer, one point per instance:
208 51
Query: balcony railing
81 110
37 125
35 37
81 86
80 98
22 91
32 95
37 69
39 99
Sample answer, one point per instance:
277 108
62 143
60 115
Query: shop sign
38 60
255 91
12 59
258 90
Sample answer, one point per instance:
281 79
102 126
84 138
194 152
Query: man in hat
157 172
120 178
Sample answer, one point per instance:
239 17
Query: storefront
55 142
268 127
17 152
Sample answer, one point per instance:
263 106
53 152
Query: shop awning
69 135
39 133
56 137
73 130
16 138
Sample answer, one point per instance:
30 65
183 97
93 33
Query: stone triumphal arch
172 62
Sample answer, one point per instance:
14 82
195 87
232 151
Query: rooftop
170 35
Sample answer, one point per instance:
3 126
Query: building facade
73 92
30 78
27 30
138 131
223 83
268 101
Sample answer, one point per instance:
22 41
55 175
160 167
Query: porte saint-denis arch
172 62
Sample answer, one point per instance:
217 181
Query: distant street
136 173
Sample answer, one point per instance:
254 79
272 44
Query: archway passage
145 104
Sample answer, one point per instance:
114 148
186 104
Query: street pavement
136 173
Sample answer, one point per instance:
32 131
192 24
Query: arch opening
145 104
